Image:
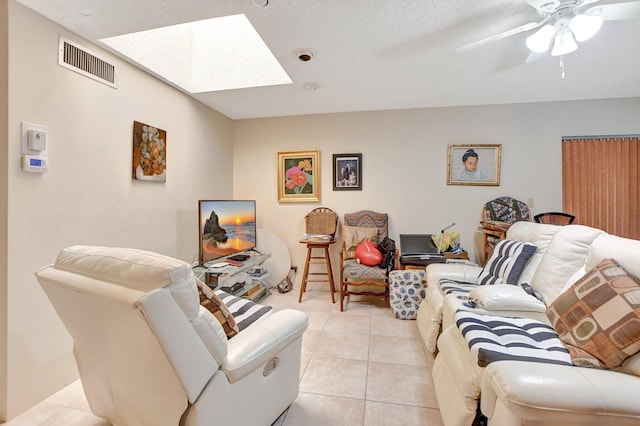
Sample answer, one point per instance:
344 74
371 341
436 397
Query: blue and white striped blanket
461 288
495 338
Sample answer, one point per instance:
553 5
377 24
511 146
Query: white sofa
149 354
527 393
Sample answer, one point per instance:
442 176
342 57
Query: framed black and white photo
347 172
474 165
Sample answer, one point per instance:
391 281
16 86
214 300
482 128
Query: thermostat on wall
34 164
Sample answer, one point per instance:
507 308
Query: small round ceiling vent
304 55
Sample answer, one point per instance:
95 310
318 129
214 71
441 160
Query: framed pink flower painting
298 176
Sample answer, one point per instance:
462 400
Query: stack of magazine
257 272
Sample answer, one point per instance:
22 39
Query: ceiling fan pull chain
562 67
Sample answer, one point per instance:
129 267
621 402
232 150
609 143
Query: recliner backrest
564 259
140 338
540 235
624 250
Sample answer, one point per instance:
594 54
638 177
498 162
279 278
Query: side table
219 277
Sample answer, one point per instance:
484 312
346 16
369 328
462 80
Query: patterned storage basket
406 291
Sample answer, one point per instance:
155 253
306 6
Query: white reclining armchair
149 354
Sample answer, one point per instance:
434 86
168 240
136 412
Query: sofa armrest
558 394
452 271
505 297
256 345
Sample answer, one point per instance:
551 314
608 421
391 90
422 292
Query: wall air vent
76 58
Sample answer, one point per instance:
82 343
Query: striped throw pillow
506 263
214 304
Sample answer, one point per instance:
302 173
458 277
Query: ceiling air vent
76 58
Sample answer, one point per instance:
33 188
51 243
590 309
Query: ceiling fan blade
616 11
587 2
526 27
534 56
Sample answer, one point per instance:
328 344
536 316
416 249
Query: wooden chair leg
305 275
332 287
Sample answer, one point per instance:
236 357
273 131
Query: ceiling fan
563 24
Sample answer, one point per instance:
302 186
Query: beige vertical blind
600 182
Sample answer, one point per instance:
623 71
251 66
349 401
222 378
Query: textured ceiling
379 55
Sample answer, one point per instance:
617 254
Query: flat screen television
226 227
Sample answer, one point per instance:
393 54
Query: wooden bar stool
320 224
317 259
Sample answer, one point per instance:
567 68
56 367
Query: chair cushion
354 270
354 235
214 304
506 262
598 317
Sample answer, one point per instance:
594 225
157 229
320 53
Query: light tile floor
359 367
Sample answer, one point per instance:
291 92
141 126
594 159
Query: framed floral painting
149 153
298 176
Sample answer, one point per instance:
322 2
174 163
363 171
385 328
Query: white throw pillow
505 298
506 263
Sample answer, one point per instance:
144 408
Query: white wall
88 196
4 107
404 155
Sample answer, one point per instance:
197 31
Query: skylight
204 56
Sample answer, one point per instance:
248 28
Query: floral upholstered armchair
506 209
356 278
497 216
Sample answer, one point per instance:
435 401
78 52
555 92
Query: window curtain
600 182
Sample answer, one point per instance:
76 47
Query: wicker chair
356 278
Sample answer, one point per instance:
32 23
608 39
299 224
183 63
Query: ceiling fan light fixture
585 26
564 42
540 40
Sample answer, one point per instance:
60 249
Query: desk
421 264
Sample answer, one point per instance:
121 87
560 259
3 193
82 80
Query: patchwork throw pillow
214 304
598 317
506 263
354 235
